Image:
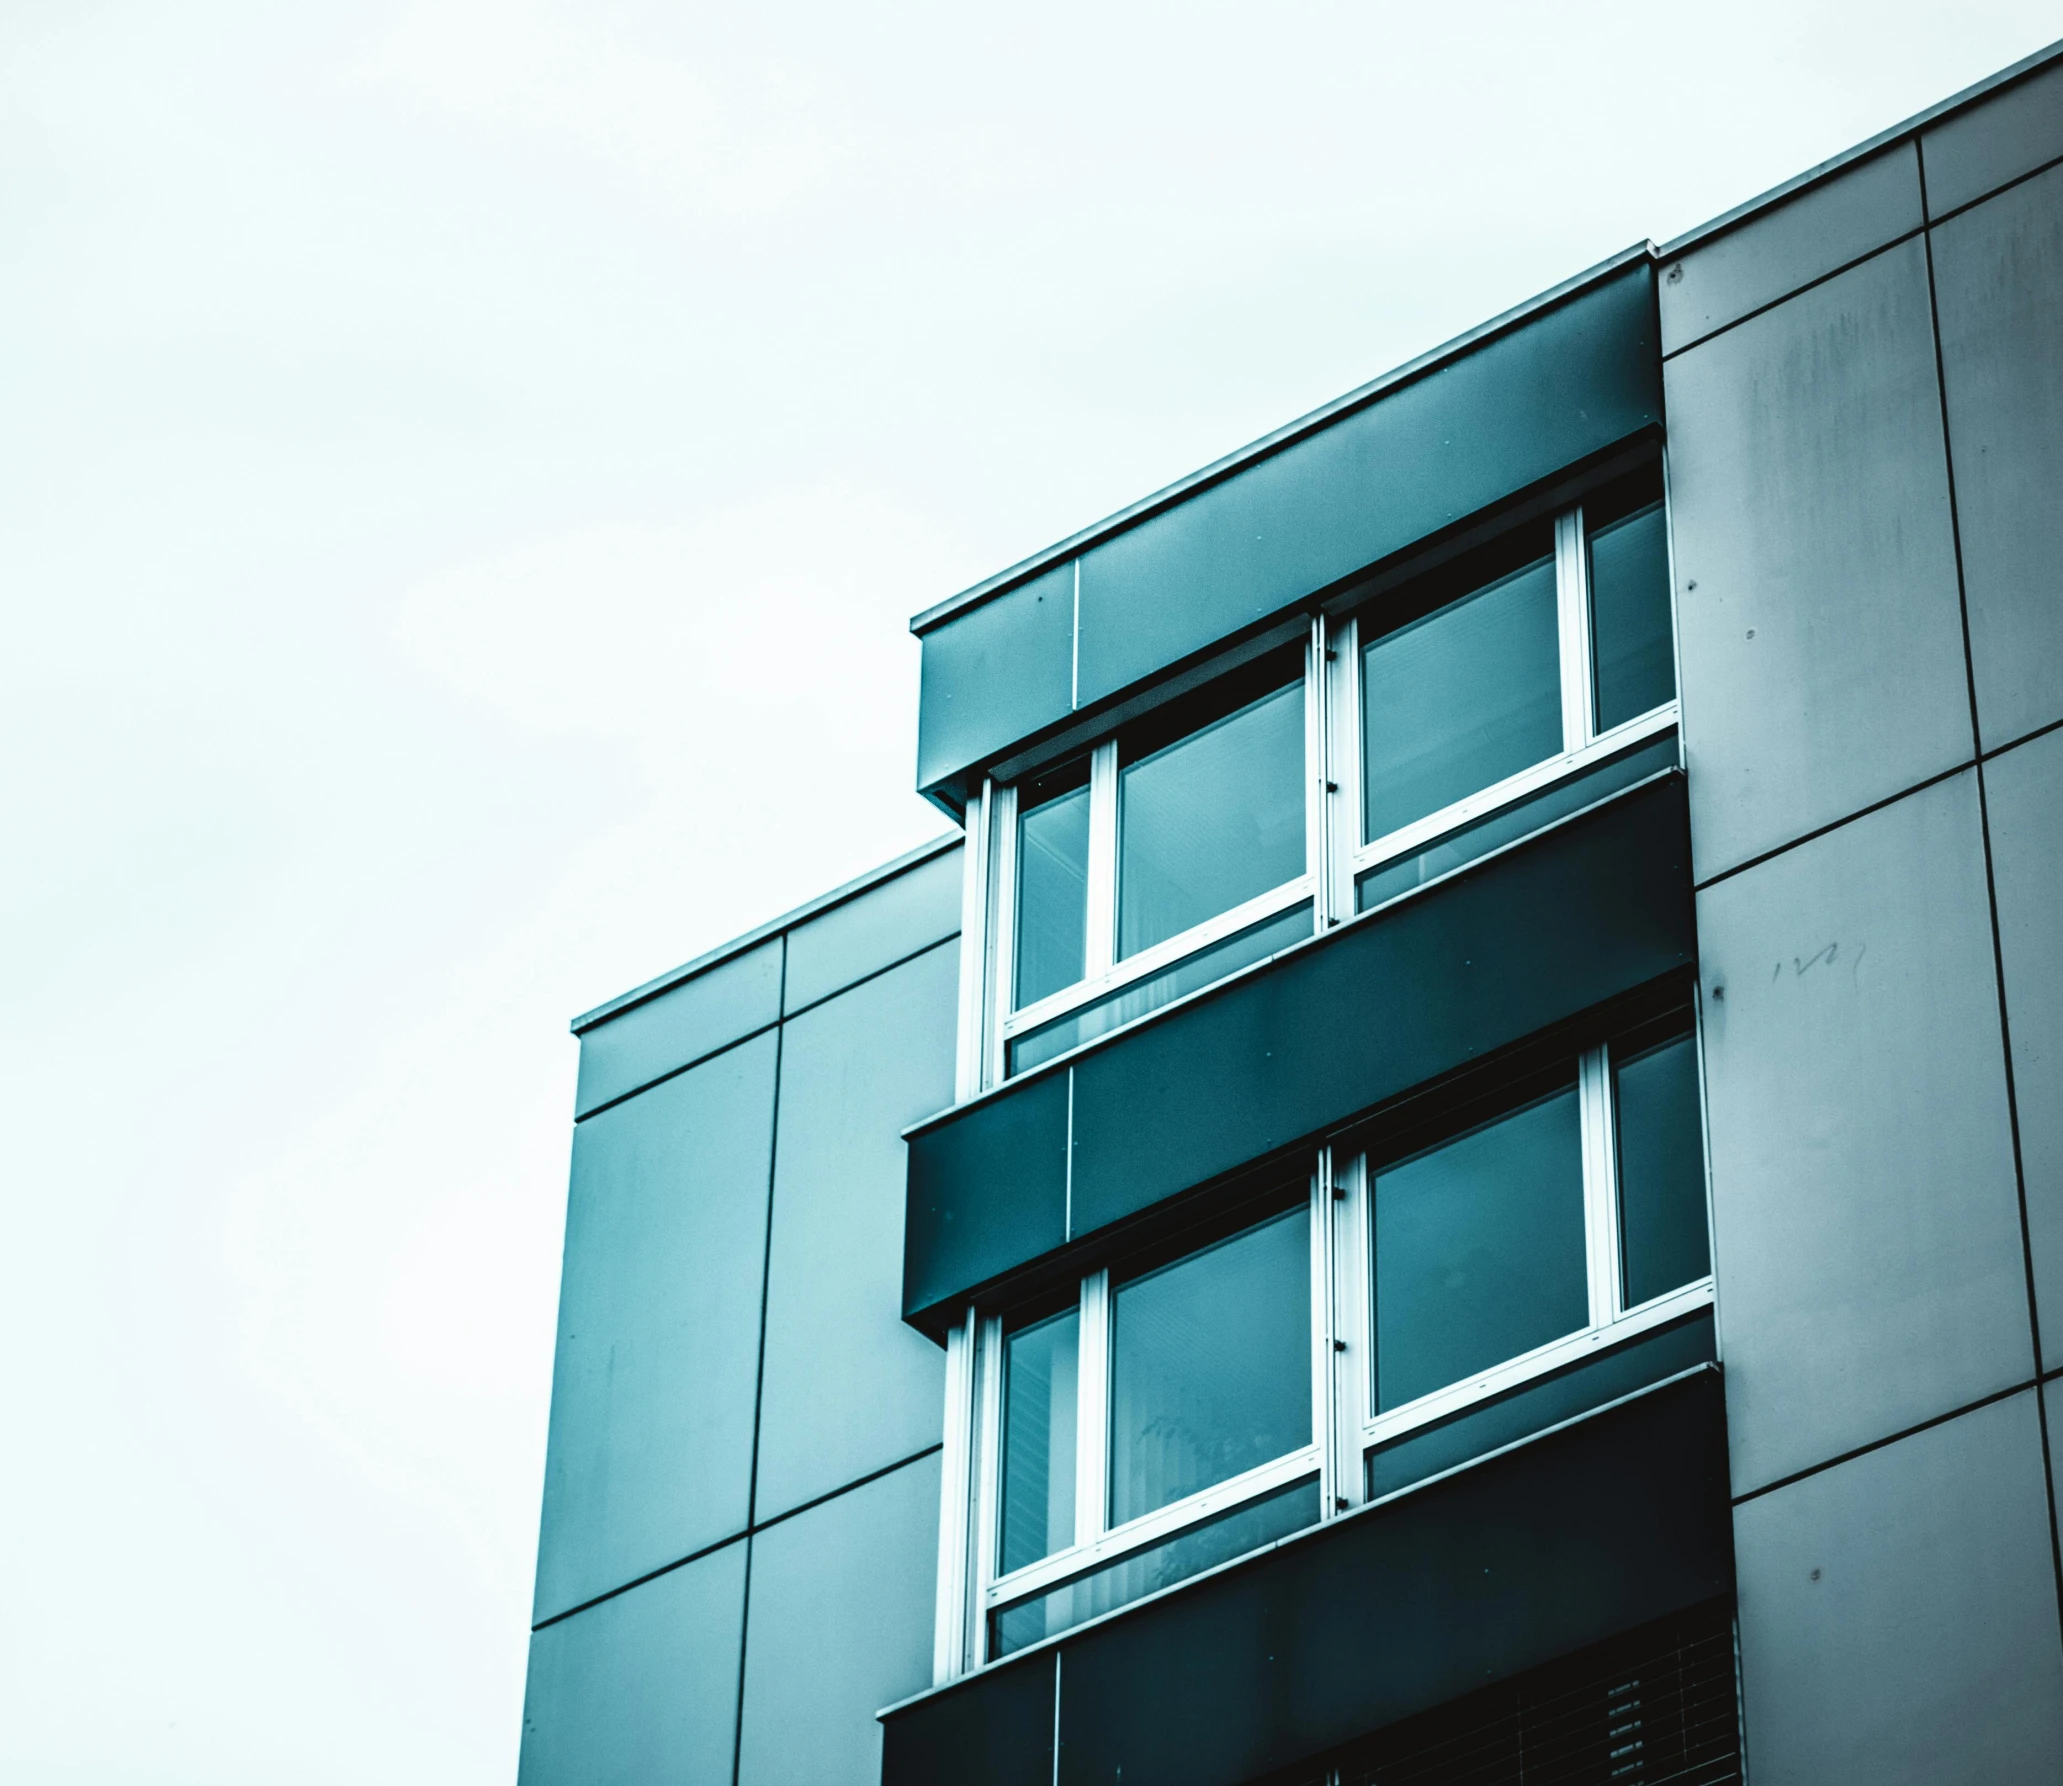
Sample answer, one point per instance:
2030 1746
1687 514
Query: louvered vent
1657 1705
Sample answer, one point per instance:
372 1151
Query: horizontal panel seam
752 1531
766 1028
1819 831
1863 812
1797 291
1811 1470
1971 204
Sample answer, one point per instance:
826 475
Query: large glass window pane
1211 820
1210 1366
1239 950
1461 699
1629 608
1199 1547
1041 1381
1479 1250
1052 881
1661 1170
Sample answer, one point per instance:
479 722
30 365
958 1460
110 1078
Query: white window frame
1336 855
1345 1428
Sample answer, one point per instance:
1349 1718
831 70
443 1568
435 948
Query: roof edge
723 952
1862 151
1286 435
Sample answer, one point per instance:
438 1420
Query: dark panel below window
986 1192
1655 1706
1276 1662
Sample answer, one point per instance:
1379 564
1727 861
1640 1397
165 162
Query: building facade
1455 1171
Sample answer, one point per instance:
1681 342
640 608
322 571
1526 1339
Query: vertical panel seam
1991 896
766 1259
1074 645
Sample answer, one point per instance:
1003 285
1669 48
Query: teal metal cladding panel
1412 461
1583 1534
846 1388
643 1687
1566 385
987 1192
666 1033
995 674
650 1457
1592 909
886 924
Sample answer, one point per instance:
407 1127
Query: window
1188 1406
1404 736
1171 855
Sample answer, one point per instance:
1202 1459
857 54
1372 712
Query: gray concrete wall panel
1869 1259
1998 272
847 1388
864 935
840 1626
1898 1614
1818 614
695 1018
2025 790
2012 133
641 1690
1803 239
1000 672
650 1457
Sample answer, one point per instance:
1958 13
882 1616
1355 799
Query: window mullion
976 962
956 1505
1324 1331
1100 931
1092 1404
988 1492
1572 607
1318 846
1003 933
1353 1389
1600 1186
1343 761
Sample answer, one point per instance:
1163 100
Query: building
1466 1166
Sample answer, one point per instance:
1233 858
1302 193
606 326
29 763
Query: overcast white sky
465 471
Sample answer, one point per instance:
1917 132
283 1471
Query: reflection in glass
1052 882
1210 1366
1629 606
1479 1251
1041 1381
1211 821
1461 699
1256 943
1199 1547
1661 1171
1555 801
